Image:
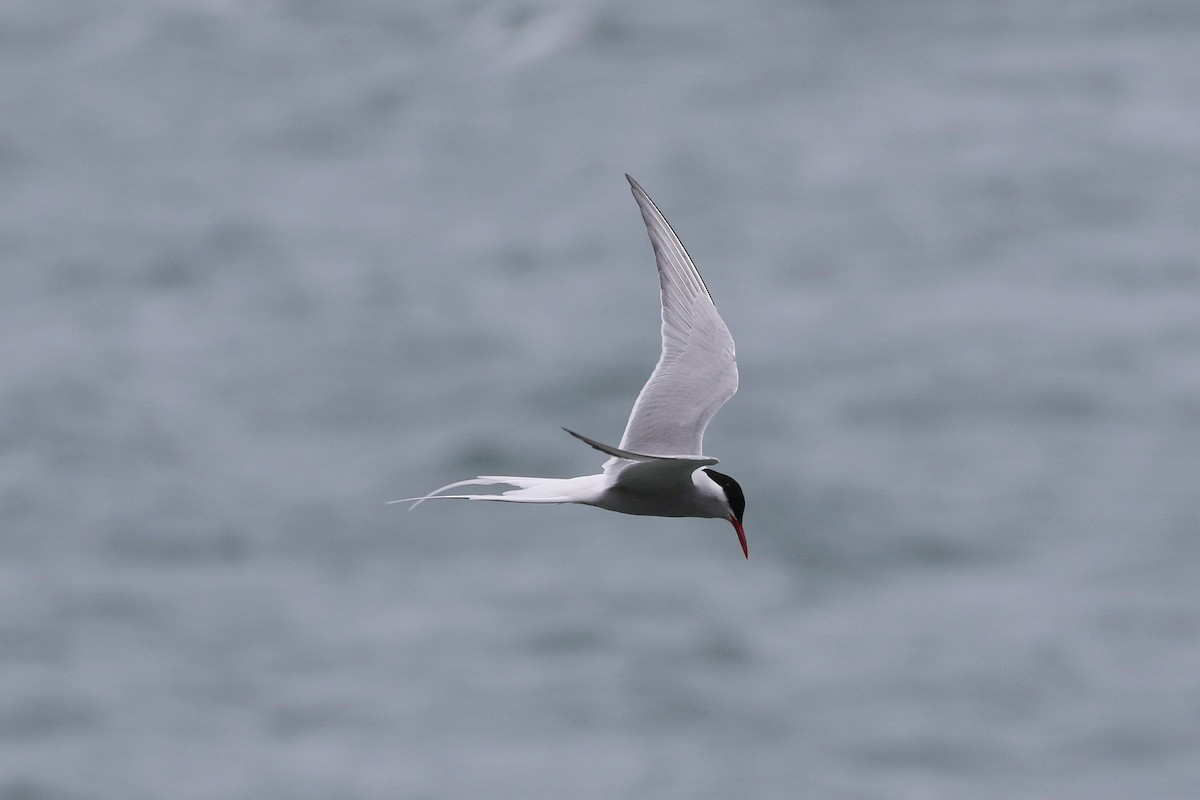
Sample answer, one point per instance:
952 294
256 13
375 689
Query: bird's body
657 470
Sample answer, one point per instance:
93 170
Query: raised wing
696 372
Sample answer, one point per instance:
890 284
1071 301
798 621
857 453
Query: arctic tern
658 469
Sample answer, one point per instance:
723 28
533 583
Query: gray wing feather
648 473
627 455
697 371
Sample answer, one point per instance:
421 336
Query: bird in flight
658 469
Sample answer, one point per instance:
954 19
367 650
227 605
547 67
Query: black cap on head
737 500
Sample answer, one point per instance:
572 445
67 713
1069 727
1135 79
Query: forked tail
529 490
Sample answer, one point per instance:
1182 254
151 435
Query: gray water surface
266 265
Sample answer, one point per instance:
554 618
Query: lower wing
646 473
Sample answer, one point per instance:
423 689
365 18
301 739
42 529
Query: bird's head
734 502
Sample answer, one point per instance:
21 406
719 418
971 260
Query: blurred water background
265 265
